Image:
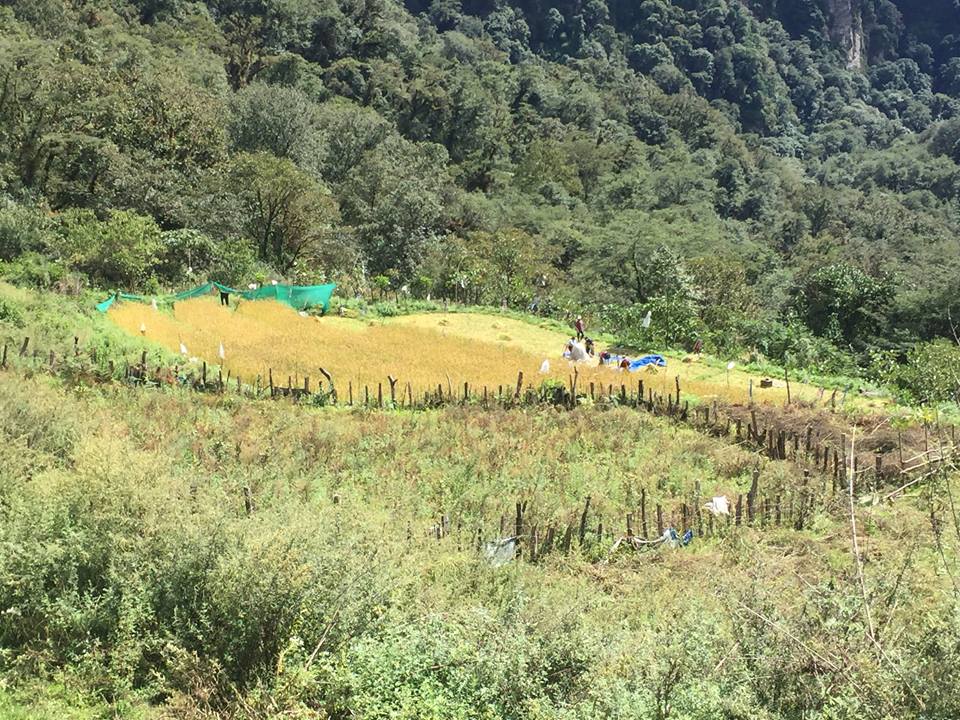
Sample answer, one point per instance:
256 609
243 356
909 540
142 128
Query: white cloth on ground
719 506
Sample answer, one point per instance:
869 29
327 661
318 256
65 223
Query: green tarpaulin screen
296 296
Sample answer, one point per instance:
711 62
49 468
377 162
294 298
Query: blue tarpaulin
656 360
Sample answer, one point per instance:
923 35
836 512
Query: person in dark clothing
579 326
589 345
225 298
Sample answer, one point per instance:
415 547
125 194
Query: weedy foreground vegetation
172 554
220 557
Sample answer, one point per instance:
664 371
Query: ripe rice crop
425 350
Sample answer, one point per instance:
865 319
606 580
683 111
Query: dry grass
424 350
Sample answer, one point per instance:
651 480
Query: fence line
810 450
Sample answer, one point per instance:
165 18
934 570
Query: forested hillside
777 177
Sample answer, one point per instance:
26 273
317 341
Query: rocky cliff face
846 29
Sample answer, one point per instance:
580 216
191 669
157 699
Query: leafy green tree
845 304
287 214
395 198
278 120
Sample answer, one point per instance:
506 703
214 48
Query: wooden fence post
516 395
698 516
677 381
583 521
643 513
659 521
519 526
393 392
23 347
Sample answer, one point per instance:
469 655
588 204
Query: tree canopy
553 154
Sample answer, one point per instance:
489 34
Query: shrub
22 229
674 322
31 269
120 251
10 313
931 372
191 256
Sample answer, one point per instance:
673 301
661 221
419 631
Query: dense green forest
780 178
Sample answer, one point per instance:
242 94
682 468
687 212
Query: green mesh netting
298 297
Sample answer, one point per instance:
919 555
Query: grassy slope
121 465
151 483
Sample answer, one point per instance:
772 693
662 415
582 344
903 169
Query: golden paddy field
425 350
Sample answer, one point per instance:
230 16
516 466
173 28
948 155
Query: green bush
23 229
674 323
791 343
931 372
121 251
190 256
32 269
11 313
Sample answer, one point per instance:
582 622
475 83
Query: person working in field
225 298
575 352
589 346
579 327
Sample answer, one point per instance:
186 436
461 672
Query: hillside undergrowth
210 555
